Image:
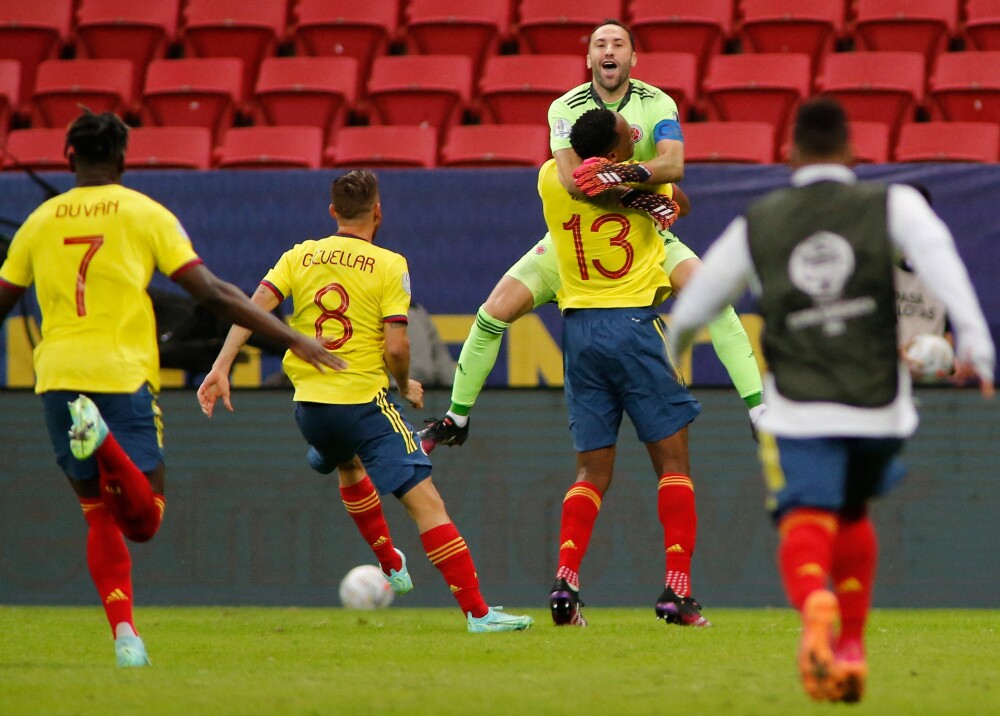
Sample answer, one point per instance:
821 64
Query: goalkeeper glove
661 207
597 175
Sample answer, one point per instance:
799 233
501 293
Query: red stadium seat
375 147
923 26
362 30
518 89
458 27
306 91
31 32
234 28
63 86
136 30
949 142
982 25
196 92
676 73
496 145
555 27
808 26
876 86
762 87
169 148
10 92
744 142
430 90
682 26
36 149
965 87
271 148
870 141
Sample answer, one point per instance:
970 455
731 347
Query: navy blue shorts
133 418
828 473
376 432
616 362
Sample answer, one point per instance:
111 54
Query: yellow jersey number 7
93 244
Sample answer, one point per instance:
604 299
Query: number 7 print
94 243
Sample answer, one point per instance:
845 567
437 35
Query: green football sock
478 356
732 345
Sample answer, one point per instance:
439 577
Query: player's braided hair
97 138
354 193
821 127
594 133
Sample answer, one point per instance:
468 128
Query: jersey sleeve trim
395 319
185 268
13 286
273 289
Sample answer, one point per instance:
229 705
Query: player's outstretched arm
227 300
597 175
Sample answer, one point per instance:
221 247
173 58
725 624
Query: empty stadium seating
701 28
518 89
948 142
743 142
197 92
870 141
37 149
271 148
923 26
806 26
362 30
62 87
559 28
313 91
458 27
136 30
496 145
10 92
965 87
431 90
31 32
676 73
982 24
169 148
374 147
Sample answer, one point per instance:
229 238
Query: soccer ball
365 587
930 357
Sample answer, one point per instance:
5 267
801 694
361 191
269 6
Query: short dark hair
820 127
616 23
594 133
97 138
354 193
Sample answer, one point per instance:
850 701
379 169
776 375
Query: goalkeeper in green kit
534 279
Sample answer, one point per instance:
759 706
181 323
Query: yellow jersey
343 290
608 257
91 253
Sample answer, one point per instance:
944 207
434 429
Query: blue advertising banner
461 229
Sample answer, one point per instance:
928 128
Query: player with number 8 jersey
344 288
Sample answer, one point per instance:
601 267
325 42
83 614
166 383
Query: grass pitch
59 660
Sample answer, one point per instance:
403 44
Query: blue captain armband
668 129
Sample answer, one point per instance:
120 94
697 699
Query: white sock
124 629
459 420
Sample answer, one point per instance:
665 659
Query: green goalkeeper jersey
650 112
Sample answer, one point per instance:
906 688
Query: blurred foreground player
819 257
355 296
91 253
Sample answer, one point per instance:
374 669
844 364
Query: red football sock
855 553
580 507
447 551
806 552
109 563
676 510
364 506
127 492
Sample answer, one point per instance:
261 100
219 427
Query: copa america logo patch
406 283
636 133
539 250
561 128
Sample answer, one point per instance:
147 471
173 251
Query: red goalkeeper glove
661 207
597 175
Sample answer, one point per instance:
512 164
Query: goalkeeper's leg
732 345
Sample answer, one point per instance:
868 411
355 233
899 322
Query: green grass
58 660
